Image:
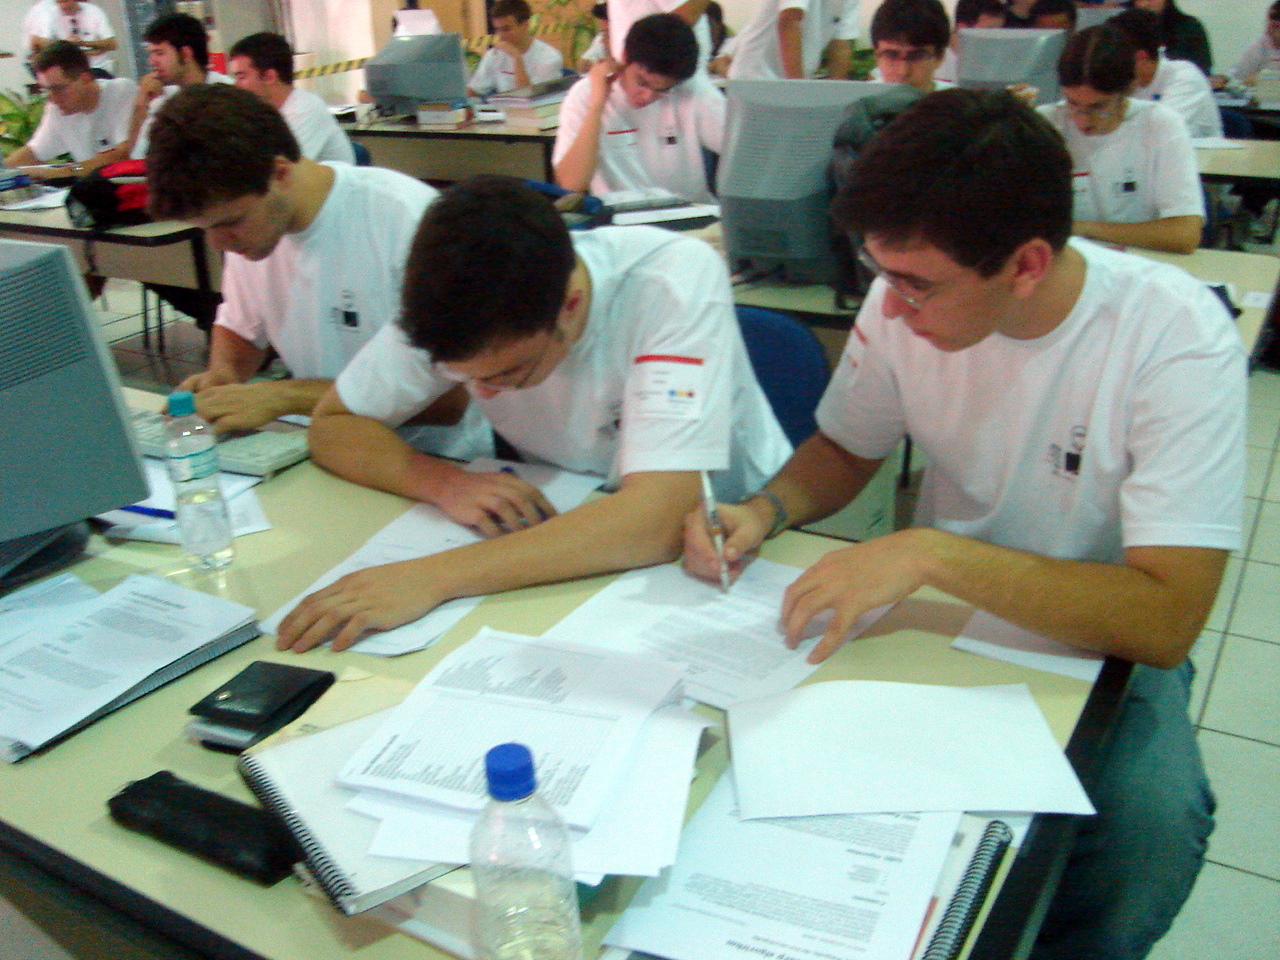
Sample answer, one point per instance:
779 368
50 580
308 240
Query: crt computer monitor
773 186
1094 16
410 71
66 452
994 58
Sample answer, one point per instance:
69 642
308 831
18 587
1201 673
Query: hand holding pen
715 528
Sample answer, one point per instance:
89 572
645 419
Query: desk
231 919
1257 163
457 153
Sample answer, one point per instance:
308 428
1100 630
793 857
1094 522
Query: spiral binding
970 893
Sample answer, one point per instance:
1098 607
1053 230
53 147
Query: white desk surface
1256 159
59 797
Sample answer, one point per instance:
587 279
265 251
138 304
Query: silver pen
715 528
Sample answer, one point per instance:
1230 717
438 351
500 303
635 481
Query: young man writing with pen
615 353
1082 413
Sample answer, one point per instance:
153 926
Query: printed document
729 645
579 710
837 887
866 746
422 531
243 507
988 636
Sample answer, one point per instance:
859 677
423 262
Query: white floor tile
1255 611
1222 607
1244 774
1248 520
1242 699
1205 657
1261 427
1264 389
1257 471
1265 545
1230 916
1272 491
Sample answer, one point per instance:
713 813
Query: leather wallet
246 840
263 697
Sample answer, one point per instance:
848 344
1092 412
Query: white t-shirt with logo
1180 86
89 22
658 145
759 55
84 135
658 381
313 126
1143 170
1123 427
496 72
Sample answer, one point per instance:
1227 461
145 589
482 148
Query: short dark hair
663 44
968 11
490 262
920 23
1050 8
974 173
62 54
266 51
211 143
1142 27
180 30
601 11
510 8
1100 57
1274 12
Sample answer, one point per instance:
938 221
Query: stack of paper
63 667
152 519
423 531
613 750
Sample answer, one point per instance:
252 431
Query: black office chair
790 365
363 157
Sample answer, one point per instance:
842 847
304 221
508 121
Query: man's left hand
242 406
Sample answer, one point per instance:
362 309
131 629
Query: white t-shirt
595 51
624 13
144 134
1123 427
84 135
89 22
759 56
949 69
496 72
33 23
658 381
1262 54
1180 86
659 145
317 132
1143 170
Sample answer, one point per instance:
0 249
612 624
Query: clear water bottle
203 523
526 900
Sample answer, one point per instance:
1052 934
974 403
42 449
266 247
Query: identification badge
623 138
665 385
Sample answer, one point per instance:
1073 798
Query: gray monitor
66 452
410 71
773 186
991 59
1093 16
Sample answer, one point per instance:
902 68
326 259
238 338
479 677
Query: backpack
111 196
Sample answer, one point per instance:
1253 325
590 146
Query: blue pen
149 511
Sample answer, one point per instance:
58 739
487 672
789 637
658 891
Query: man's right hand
601 77
492 504
150 87
745 528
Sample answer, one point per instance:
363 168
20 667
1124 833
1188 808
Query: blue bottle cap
182 403
509 769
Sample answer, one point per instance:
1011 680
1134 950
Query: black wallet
263 697
246 840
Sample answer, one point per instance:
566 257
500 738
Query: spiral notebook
970 893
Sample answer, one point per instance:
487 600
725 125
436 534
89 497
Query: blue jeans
1134 864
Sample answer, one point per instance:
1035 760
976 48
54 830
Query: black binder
957 920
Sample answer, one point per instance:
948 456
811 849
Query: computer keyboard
259 454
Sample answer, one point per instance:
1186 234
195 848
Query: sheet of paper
728 644
1217 143
245 509
839 888
861 746
44 604
579 710
52 678
636 833
989 636
1256 299
53 199
666 214
422 531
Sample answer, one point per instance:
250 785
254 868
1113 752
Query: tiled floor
1234 912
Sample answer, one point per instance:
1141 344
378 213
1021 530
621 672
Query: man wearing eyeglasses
909 39
612 352
84 24
644 123
1082 415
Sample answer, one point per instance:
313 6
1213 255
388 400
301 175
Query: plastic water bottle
203 523
526 900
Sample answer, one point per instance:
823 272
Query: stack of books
446 113
536 107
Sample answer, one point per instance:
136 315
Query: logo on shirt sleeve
667 385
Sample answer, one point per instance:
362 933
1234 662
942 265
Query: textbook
62 667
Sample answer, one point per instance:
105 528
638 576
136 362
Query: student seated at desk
314 252
1136 180
84 24
644 123
1262 54
1182 36
1082 415
178 54
613 352
85 117
1178 84
517 58
262 63
909 39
